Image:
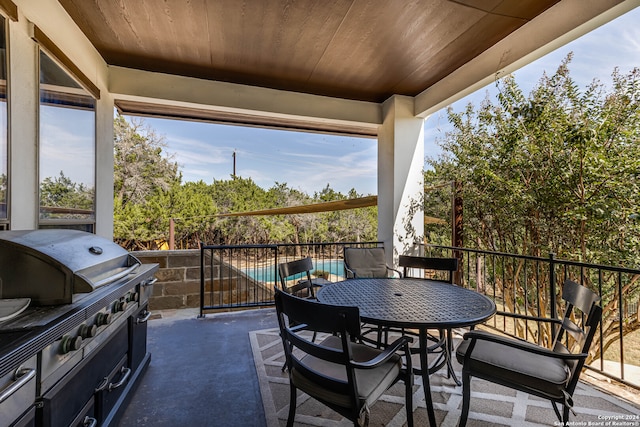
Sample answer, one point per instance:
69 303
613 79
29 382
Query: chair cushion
372 383
516 367
367 262
372 272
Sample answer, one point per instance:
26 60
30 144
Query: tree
358 225
192 208
554 172
143 176
239 195
533 166
140 165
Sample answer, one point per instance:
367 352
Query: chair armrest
319 282
298 328
514 343
527 317
394 270
350 274
386 354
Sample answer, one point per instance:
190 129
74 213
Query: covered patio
370 69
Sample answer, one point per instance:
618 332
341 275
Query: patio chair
366 262
361 263
547 373
436 265
346 376
303 287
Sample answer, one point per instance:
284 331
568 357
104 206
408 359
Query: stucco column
104 165
23 126
400 178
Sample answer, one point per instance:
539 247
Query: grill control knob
70 343
119 306
88 331
132 297
103 319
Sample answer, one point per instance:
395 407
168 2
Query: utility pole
234 164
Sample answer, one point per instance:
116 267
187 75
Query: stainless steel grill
84 332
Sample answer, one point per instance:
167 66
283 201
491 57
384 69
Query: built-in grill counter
75 347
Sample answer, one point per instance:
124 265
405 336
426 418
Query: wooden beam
338 205
10 9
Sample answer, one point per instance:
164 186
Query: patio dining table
419 304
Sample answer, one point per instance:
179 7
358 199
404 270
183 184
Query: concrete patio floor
202 372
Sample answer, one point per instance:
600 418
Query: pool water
267 274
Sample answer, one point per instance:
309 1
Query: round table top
410 302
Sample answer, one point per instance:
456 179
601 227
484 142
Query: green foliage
141 168
437 204
143 182
3 188
192 208
553 172
62 192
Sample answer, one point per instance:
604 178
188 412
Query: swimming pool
267 273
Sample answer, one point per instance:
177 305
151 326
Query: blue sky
309 162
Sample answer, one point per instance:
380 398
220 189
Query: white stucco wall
23 126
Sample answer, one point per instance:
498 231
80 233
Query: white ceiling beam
144 86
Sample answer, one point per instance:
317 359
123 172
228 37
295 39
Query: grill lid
49 266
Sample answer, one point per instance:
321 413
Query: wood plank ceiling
354 49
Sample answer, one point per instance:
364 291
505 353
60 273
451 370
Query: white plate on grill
10 308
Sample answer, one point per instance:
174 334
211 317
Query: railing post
202 280
275 267
457 238
172 234
552 292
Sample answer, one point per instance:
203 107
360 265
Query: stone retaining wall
178 284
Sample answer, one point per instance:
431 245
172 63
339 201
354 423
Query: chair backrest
292 268
449 265
576 337
296 315
365 262
317 316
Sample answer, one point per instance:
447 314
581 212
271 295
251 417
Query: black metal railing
525 289
243 276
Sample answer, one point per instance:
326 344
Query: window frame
85 224
5 222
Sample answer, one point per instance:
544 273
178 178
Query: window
4 217
66 150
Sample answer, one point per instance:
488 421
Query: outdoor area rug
491 404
